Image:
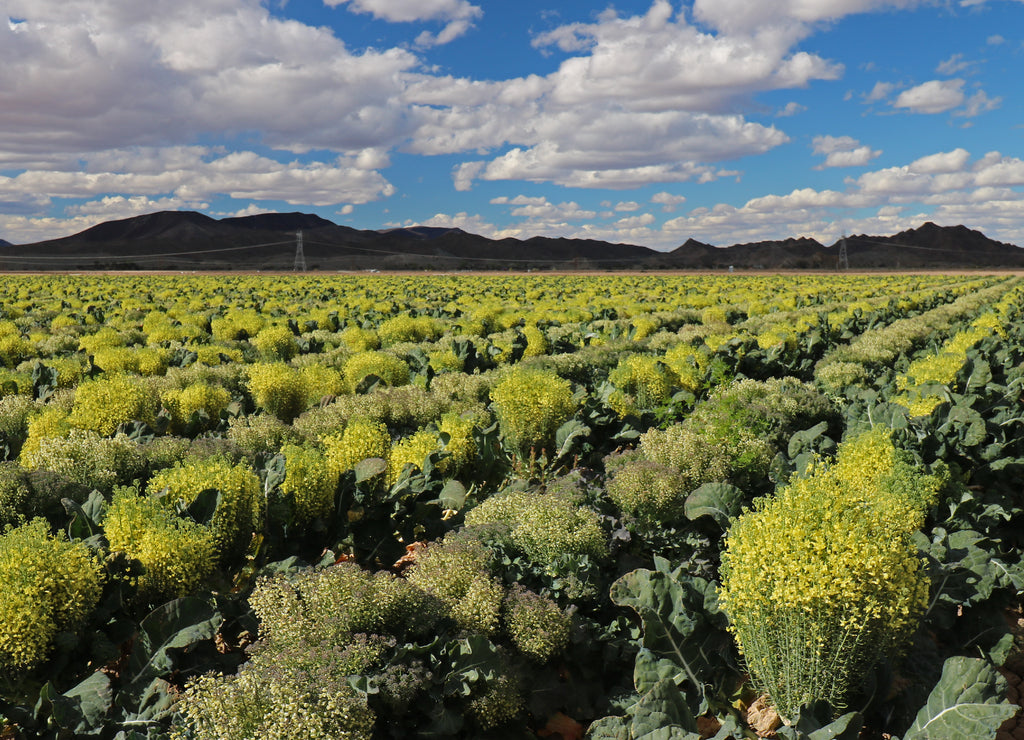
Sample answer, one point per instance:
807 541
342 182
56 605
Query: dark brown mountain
185 240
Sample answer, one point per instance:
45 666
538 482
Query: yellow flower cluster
182 403
461 447
104 404
137 360
178 554
649 491
411 451
500 703
278 389
360 340
822 579
456 574
409 329
310 482
543 526
333 604
52 422
89 459
241 509
537 626
237 324
49 585
105 338
943 366
537 343
689 365
276 343
390 369
642 383
271 702
321 381
14 348
361 439
530 405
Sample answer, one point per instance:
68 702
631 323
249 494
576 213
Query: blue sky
643 121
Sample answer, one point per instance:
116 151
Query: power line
473 259
162 255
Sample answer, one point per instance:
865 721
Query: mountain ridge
268 241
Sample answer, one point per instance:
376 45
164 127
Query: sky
647 122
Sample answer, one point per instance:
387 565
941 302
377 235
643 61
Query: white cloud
129 178
632 222
842 151
458 15
545 210
979 103
520 200
830 144
880 91
934 96
95 75
858 157
942 162
660 62
668 201
742 16
790 109
945 187
649 101
407 11
953 65
627 205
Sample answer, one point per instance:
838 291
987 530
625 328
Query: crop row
520 496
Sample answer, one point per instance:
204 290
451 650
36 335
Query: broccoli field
512 506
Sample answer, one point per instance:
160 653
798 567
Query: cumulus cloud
934 96
941 162
953 65
649 101
946 187
96 75
979 103
668 201
790 109
842 151
742 16
190 175
458 15
620 150
880 91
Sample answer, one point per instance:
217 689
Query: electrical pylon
300 257
844 258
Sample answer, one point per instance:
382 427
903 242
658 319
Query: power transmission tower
844 258
300 257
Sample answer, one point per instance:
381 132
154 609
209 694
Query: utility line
162 255
475 259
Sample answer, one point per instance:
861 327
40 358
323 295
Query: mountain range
187 240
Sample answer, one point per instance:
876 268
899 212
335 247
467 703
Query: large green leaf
661 709
721 501
968 702
609 728
167 633
79 711
684 631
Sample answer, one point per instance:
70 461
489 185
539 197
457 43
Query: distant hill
186 240
4 243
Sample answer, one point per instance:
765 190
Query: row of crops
510 507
